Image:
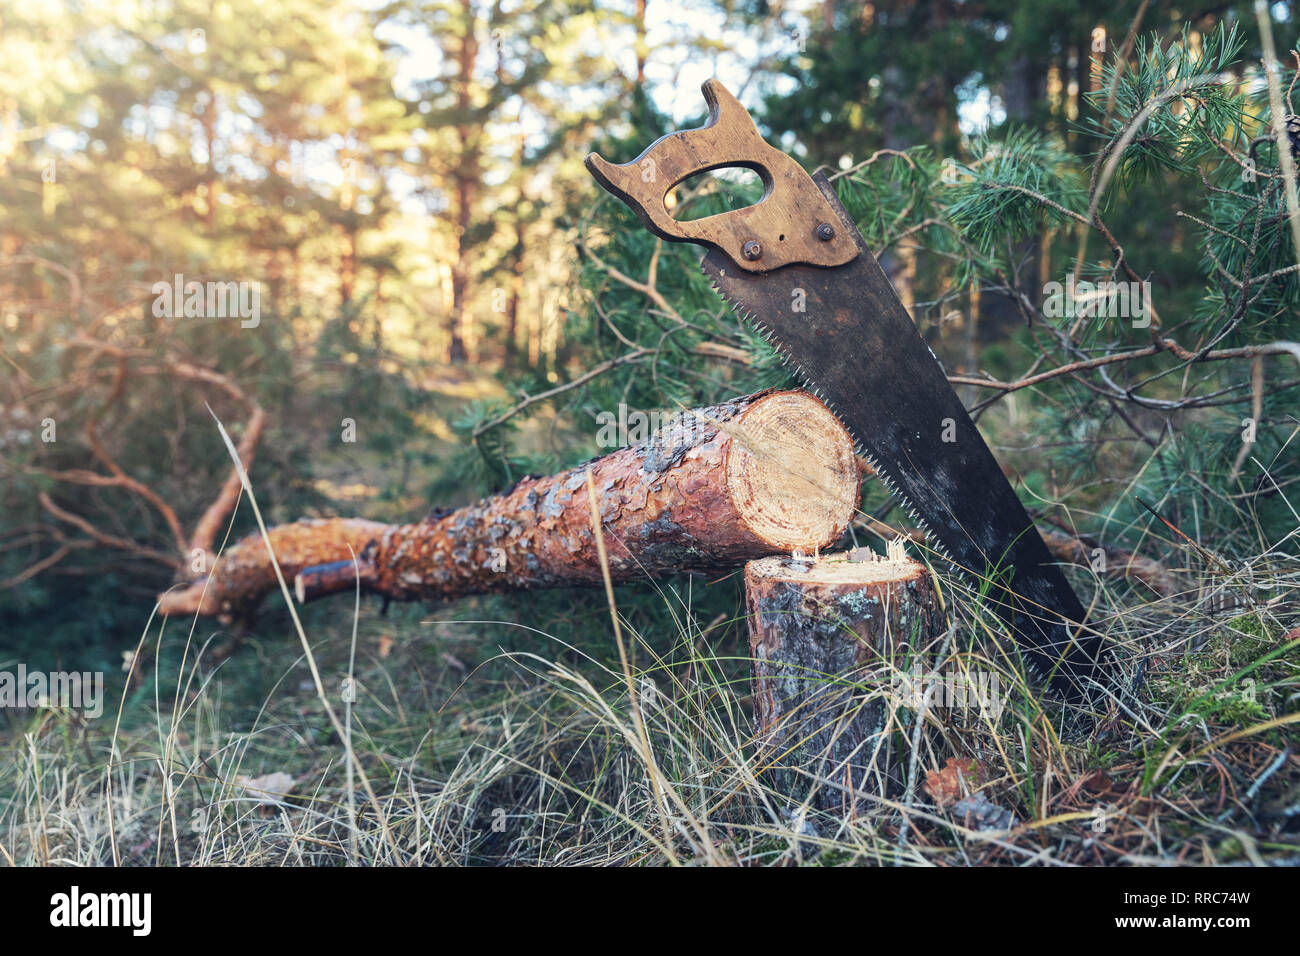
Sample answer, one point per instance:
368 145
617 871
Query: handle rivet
825 231
752 250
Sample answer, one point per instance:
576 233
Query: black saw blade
856 347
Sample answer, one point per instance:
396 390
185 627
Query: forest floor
501 730
475 739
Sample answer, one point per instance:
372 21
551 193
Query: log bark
713 488
831 641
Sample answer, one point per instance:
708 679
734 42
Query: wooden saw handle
792 223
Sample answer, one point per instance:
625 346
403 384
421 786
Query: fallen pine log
711 489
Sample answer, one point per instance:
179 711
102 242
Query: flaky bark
829 640
713 488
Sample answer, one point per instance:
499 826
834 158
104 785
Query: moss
1233 646
1247 639
1229 849
834 857
1238 709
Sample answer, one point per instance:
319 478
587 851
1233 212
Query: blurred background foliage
403 181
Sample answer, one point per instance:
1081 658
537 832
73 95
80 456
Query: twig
587 376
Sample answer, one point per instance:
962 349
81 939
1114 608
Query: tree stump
830 640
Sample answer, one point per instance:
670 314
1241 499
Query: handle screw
825 231
752 250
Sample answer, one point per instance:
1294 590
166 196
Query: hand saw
795 266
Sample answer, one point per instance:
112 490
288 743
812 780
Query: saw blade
849 337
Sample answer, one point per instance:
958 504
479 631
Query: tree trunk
830 640
711 489
641 47
466 176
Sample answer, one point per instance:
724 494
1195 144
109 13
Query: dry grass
537 759
546 753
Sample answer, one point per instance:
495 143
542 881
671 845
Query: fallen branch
201 542
1119 563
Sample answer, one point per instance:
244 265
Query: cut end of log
792 472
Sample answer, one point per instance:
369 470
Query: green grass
507 731
492 743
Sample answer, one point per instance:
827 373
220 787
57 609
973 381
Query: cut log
711 489
831 640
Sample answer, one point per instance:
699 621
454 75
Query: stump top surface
835 569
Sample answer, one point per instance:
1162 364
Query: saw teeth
749 316
933 543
